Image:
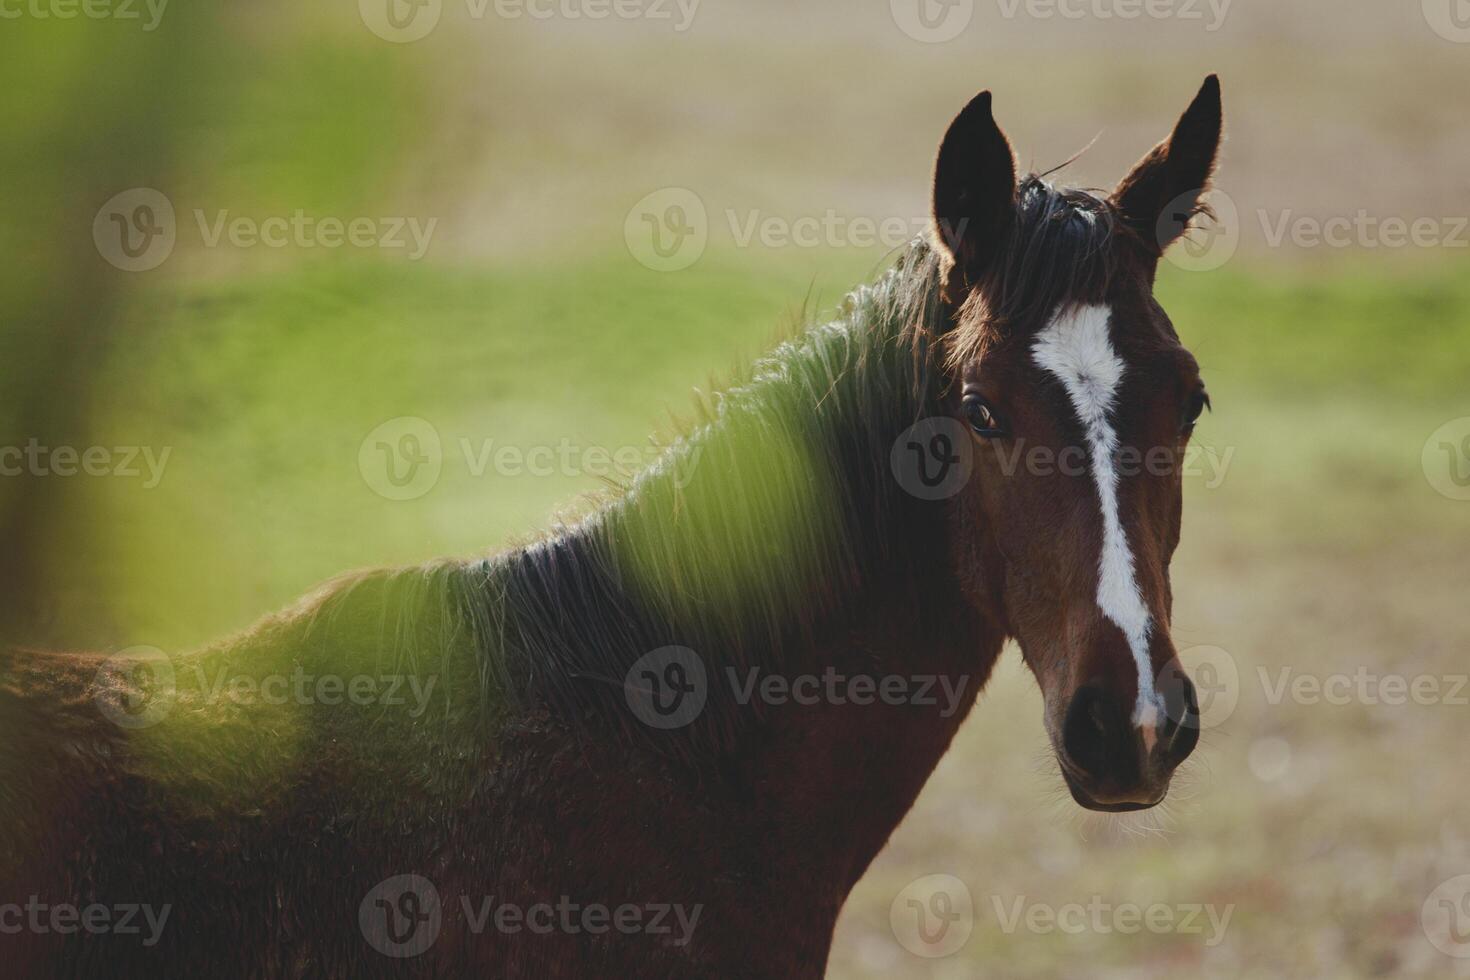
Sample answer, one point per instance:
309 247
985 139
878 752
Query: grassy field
265 387
1321 550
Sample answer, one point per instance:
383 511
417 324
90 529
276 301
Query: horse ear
1175 174
974 194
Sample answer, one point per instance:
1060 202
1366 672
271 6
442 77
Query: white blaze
1076 349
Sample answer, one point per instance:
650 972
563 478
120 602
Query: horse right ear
974 196
1175 174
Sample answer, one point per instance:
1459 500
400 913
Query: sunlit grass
265 387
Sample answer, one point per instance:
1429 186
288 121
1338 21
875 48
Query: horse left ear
1175 174
974 196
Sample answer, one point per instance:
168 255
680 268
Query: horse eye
982 417
1198 402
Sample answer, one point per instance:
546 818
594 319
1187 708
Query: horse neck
772 538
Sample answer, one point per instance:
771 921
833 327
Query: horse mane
756 523
1060 247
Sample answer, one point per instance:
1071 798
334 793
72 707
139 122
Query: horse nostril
1094 734
1095 715
1181 726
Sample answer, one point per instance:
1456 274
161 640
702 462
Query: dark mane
1061 247
757 522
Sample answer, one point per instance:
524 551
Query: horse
667 738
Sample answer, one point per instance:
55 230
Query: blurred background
246 244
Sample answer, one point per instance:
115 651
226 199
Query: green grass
266 387
1392 334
